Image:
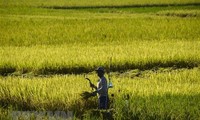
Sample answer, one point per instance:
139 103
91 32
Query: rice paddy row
160 94
83 3
153 52
82 59
48 41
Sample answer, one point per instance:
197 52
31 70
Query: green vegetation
80 58
92 2
46 47
76 41
160 94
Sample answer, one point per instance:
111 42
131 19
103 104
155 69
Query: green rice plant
74 59
78 41
91 2
161 94
93 28
180 13
160 49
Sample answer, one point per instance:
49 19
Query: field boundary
118 6
61 70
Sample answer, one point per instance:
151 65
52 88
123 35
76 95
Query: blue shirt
102 88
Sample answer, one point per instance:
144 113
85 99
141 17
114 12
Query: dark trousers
103 102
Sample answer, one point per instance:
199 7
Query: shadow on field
182 15
166 106
5 71
119 6
49 70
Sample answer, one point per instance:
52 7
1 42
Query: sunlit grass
90 2
153 53
158 94
78 42
84 58
95 28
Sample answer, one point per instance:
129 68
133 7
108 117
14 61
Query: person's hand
92 85
94 93
86 95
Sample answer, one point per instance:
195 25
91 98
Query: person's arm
93 86
103 86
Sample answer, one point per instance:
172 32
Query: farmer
101 89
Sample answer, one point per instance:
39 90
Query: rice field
151 48
164 94
63 41
70 3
